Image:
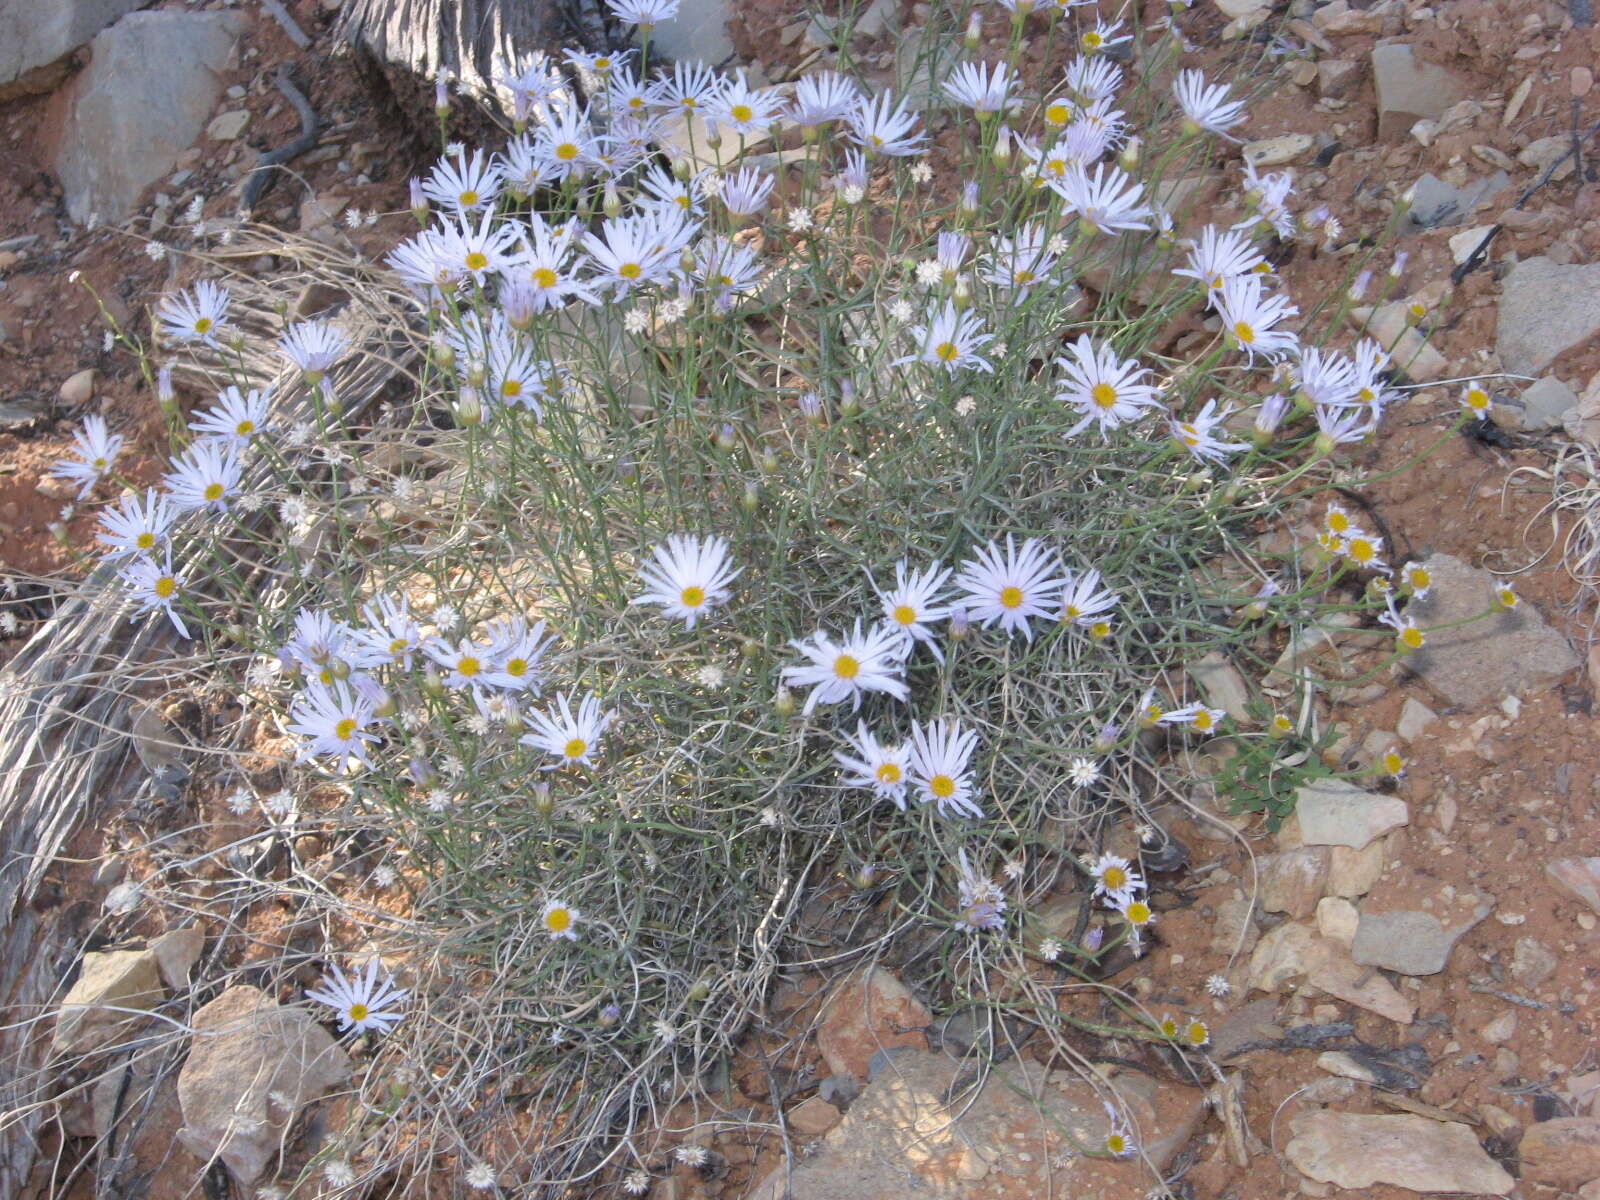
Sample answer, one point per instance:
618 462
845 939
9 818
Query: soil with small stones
1494 794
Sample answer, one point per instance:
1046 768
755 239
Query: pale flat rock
1292 881
149 89
1222 685
1294 951
1334 812
1390 326
1408 941
1543 405
252 1065
1578 878
699 31
1410 89
1352 873
226 126
110 981
1546 309
1337 77
176 953
1483 661
1564 1152
1275 151
1355 1150
867 1012
1338 920
1532 962
1415 717
901 1139
1435 202
35 34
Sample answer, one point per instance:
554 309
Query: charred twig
263 176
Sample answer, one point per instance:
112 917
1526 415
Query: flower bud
960 624
783 702
974 33
750 500
725 438
768 461
849 406
864 876
469 408
1129 158
542 804
699 993
432 683
441 97
612 204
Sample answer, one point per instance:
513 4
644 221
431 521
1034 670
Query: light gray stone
1564 1152
1532 962
1357 1150
1334 812
96 1012
1484 660
147 94
1578 878
1337 920
1541 152
1435 202
1408 941
1295 951
1275 151
1222 685
1292 881
1390 325
34 34
1410 89
699 31
1543 405
177 951
252 1065
1415 717
1546 309
226 126
1337 77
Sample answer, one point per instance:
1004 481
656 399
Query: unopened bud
1129 158
783 702
725 438
700 992
974 33
542 804
469 408
960 624
750 500
612 204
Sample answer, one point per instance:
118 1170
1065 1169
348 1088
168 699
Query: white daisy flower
1083 772
950 340
152 585
691 86
469 663
1102 37
1338 426
332 718
237 417
1324 377
913 604
138 525
688 577
559 919
1206 107
1012 585
1092 78
849 668
1218 986
745 194
391 631
985 93
1202 718
1084 599
1218 255
1115 878
313 346
571 737
883 126
97 449
479 1176
941 752
1196 434
875 765
1106 390
983 904
630 252
206 476
743 110
1250 318
1016 263
823 97
465 185
1107 202
514 652
364 1002
197 316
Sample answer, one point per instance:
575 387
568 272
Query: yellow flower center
1198 1033
888 772
1420 579
1202 720
692 596
1114 878
397 646
1393 763
942 786
1116 1143
468 665
145 540
213 491
326 675
846 666
1508 597
1216 282
468 198
166 587
345 729
946 351
477 260
558 920
1244 331
545 277
358 1012
1361 550
1010 596
689 101
575 748
905 614
566 151
245 428
741 112
1058 113
203 325
1138 912
1169 1028
1477 399
517 667
1100 629
511 387
100 464
1023 276
630 270
1338 521
1103 394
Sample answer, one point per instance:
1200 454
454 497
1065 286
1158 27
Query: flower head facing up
850 667
195 316
205 477
951 339
1197 435
96 448
872 764
915 603
559 919
237 418
138 525
571 737
1106 390
1012 585
152 585
363 1002
687 577
1206 106
1250 318
1116 879
941 754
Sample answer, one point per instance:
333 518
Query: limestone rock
109 980
1546 309
1233 927
1337 920
1337 77
1532 962
1435 202
867 1012
1500 1030
148 91
1578 878
1541 152
1355 1150
1415 717
226 126
813 1117
1275 151
77 388
1234 9
1543 405
1482 661
176 951
1352 873
33 36
1410 89
698 31
1222 685
253 1064
1334 812
1564 1152
1407 941
1292 881
1293 951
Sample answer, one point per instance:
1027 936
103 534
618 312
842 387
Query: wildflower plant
664 450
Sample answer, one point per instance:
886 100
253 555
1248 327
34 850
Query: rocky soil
1411 973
